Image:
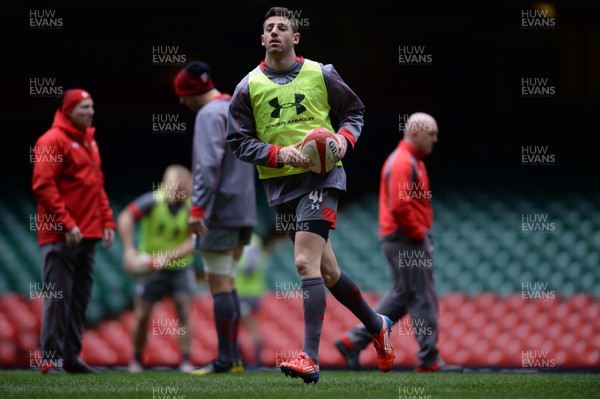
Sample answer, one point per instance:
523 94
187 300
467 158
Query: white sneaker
186 367
135 367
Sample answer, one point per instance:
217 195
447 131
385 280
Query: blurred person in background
405 233
223 213
73 215
251 285
167 268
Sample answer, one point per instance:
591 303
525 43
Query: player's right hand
197 226
73 237
129 258
343 144
291 156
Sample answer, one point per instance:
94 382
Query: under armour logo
274 102
314 206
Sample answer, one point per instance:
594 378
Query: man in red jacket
73 214
405 221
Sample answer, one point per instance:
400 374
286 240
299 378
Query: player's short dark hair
282 12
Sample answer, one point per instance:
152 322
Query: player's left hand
343 144
197 226
108 236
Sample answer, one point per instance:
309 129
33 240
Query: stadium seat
160 353
201 354
481 260
7 331
118 339
592 359
95 351
8 354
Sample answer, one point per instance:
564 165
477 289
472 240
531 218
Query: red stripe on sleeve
272 155
349 136
197 212
134 211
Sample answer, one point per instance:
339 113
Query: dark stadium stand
504 288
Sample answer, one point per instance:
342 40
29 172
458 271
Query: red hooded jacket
404 194
68 183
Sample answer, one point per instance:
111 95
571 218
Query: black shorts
160 284
225 238
315 211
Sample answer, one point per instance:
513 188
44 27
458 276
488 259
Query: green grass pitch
273 384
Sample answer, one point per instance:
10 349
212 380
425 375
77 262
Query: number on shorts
316 196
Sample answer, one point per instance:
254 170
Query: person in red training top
73 214
405 221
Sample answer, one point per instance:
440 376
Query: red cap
71 98
188 84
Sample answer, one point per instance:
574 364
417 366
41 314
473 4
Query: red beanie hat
195 78
71 98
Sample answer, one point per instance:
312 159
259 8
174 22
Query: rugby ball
141 265
322 149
